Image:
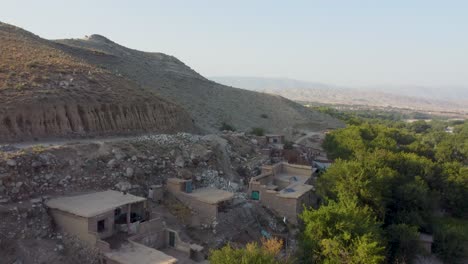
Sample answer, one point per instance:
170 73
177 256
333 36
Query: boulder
11 163
123 186
112 163
129 172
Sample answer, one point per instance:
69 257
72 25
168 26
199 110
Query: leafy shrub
227 127
267 253
258 131
288 144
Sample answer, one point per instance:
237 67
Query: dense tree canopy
341 232
401 175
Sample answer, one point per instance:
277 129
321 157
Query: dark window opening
101 226
171 239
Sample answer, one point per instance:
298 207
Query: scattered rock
129 172
36 164
112 163
11 163
123 186
179 162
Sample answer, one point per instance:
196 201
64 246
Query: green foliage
401 243
288 145
400 173
267 253
341 232
451 239
227 127
420 126
455 189
258 131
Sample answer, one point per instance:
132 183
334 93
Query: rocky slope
45 92
209 103
30 176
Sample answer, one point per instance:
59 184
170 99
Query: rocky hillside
45 92
209 103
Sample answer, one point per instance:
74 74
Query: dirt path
306 136
61 142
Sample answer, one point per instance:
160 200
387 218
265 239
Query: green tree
455 189
267 253
450 239
401 243
341 232
258 131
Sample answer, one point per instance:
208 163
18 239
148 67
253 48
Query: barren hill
209 103
45 92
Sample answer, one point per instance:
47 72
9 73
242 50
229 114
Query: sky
347 42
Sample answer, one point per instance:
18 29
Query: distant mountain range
450 98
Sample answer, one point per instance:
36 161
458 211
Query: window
255 195
101 226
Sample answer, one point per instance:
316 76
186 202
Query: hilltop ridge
209 103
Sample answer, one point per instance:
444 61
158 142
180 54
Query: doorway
171 239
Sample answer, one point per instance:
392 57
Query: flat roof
137 253
211 195
92 204
295 190
176 180
291 177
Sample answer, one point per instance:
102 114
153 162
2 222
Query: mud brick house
206 202
274 139
95 216
285 188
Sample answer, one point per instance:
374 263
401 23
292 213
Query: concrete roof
176 180
211 195
137 253
289 178
297 190
89 205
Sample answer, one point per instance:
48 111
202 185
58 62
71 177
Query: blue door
188 187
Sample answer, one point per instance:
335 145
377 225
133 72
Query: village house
96 216
274 139
99 219
206 202
285 188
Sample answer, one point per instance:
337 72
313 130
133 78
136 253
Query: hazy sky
343 42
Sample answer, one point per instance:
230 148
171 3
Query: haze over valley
418 98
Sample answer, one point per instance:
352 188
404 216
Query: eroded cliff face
71 120
45 93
